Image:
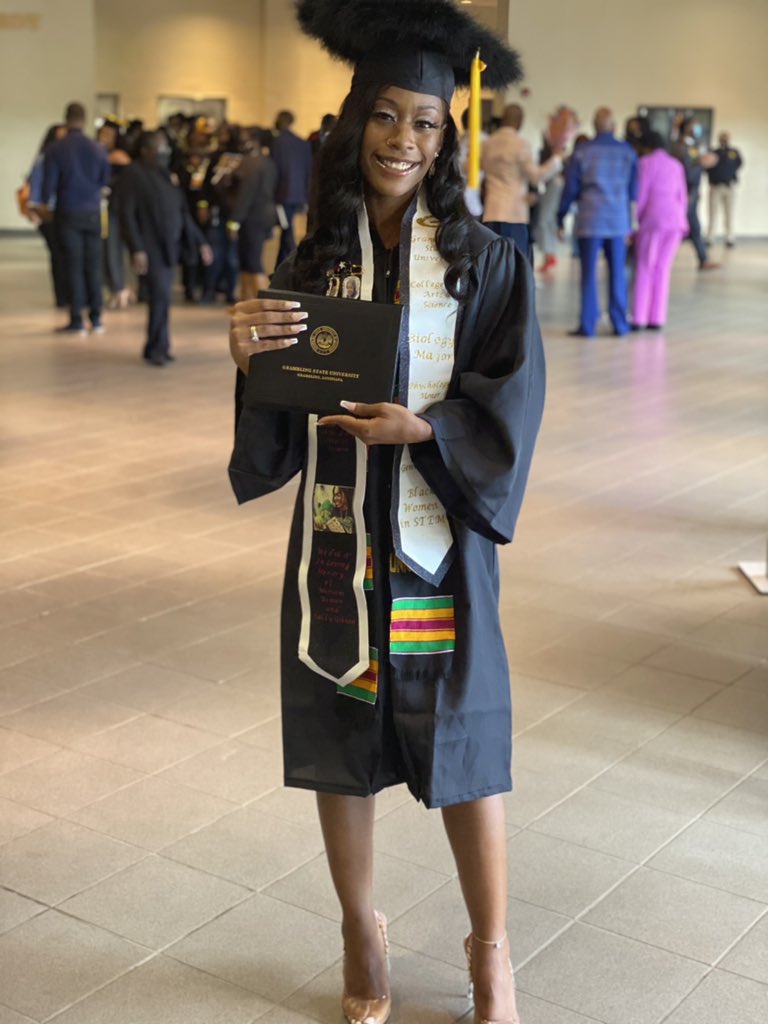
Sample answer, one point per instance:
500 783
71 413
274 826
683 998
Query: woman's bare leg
478 839
347 824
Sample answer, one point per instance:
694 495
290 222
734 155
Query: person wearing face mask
687 149
723 178
158 228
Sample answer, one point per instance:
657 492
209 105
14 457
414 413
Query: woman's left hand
383 423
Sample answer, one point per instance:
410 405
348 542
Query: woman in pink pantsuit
662 204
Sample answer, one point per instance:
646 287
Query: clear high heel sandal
496 944
369 1009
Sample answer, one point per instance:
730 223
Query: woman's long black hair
338 193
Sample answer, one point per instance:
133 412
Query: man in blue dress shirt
602 178
75 171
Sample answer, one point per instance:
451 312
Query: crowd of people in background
207 198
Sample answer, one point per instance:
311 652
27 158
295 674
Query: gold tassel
475 117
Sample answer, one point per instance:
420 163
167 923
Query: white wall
622 53
42 68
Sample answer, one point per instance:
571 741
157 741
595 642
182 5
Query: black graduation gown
441 723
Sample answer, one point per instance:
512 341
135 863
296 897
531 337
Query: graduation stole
334 631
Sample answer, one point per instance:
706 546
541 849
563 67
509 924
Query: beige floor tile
231 771
560 876
738 638
164 991
52 960
17 820
217 659
683 917
248 847
148 743
740 708
423 990
223 709
67 718
268 736
723 998
662 689
77 664
155 902
17 750
611 824
553 748
693 660
15 909
64 782
247 946
749 957
145 687
614 717
533 795
533 699
398 886
716 855
686 787
570 666
152 813
629 982
721 746
745 808
416 835
756 680
60 859
437 925
538 1011
280 1015
8 1016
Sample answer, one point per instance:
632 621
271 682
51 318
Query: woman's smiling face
401 140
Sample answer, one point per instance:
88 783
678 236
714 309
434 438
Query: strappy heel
496 944
369 1009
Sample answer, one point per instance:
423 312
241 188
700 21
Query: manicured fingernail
347 405
301 327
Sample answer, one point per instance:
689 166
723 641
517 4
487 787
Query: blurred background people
318 137
253 215
33 208
75 172
560 130
293 160
158 228
194 173
111 138
509 168
602 179
723 178
662 217
687 150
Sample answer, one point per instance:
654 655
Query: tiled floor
152 869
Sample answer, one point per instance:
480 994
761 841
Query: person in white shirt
472 196
508 165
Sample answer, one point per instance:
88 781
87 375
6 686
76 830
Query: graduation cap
426 46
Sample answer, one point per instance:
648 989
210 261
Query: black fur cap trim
353 29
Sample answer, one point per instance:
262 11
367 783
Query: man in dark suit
75 171
157 227
293 160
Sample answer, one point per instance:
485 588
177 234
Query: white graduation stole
420 531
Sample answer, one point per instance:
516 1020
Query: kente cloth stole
334 638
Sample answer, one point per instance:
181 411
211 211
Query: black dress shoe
170 358
578 333
638 327
655 327
78 329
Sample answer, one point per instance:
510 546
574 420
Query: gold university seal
324 341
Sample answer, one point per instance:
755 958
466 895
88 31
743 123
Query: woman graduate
393 664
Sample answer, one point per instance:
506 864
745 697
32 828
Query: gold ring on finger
254 333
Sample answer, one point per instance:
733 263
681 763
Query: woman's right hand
276 322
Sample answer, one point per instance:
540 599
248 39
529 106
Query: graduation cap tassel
473 162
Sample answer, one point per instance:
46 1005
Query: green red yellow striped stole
368 580
422 625
366 686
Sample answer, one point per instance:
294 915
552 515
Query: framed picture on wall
665 120
212 108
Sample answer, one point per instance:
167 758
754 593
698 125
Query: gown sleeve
270 445
485 430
